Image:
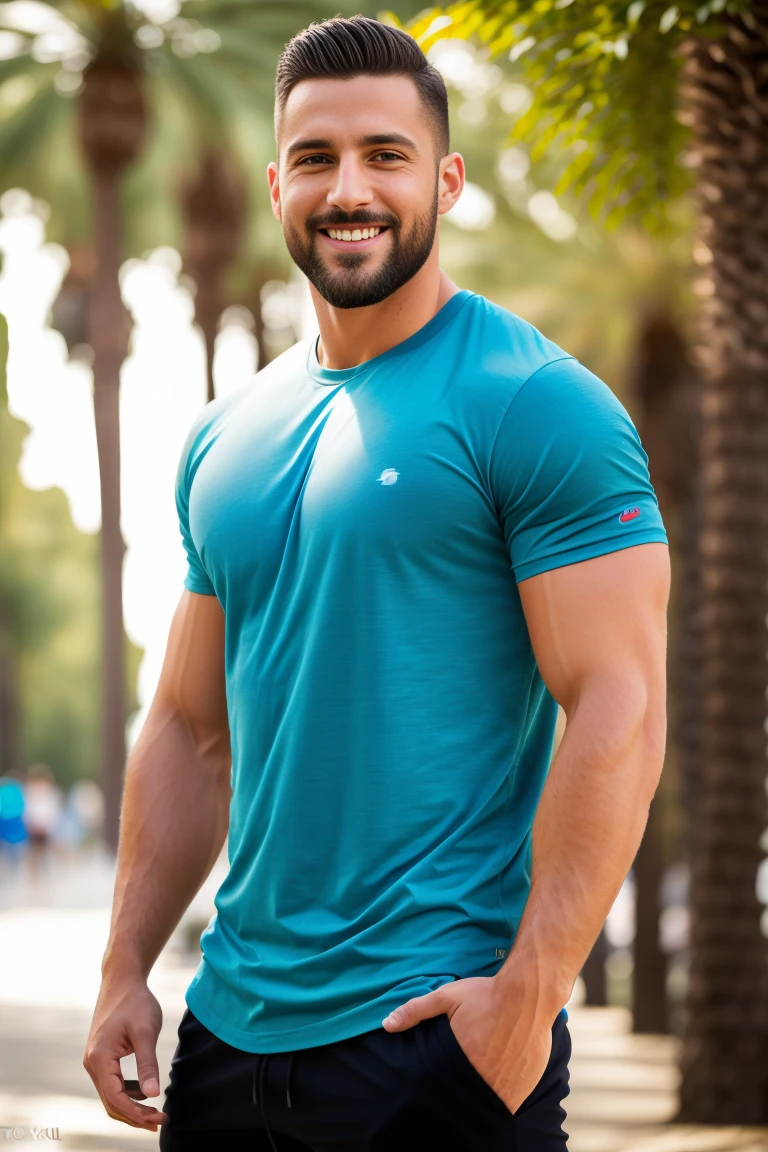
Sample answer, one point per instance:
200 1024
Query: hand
127 1019
508 1043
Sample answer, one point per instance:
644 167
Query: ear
450 182
274 191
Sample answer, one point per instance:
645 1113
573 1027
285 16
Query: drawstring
260 1100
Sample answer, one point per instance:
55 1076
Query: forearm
588 827
174 821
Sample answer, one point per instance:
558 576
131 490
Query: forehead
344 111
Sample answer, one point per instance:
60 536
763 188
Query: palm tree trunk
112 128
108 325
214 203
593 973
725 1056
209 305
649 988
11 758
663 384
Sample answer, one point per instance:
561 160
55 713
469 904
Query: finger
144 1042
110 1083
132 1088
417 1009
114 1115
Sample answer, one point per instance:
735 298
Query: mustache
351 219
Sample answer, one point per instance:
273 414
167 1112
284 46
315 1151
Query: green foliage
604 82
49 592
587 293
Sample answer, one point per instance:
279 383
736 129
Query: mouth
354 239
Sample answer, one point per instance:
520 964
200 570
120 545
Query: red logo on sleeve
629 514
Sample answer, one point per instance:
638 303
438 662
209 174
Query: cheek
302 199
408 196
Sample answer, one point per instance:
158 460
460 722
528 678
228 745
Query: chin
348 292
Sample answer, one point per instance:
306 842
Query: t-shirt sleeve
196 579
568 473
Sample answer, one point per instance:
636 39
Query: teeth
356 234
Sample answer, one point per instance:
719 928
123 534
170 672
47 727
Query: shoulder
513 361
569 401
507 343
565 421
500 351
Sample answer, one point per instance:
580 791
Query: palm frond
26 129
210 101
604 80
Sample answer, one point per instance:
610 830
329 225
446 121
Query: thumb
417 1009
146 1066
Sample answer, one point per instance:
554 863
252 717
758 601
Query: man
407 541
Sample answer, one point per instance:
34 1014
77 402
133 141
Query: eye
312 160
387 156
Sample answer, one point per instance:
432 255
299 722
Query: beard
348 286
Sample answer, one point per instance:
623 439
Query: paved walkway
623 1086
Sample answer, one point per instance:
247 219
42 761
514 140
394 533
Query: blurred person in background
408 540
13 831
43 804
79 822
86 803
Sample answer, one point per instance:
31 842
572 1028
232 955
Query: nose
351 188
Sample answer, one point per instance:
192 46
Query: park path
53 932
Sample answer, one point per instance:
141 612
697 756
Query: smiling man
407 541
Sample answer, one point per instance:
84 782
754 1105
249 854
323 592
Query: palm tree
662 382
644 103
102 67
214 203
568 287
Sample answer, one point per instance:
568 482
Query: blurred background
617 162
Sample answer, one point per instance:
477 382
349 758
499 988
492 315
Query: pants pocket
553 1081
464 1066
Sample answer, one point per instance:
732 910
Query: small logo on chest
388 476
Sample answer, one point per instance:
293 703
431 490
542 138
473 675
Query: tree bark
11 758
725 1055
112 129
649 979
593 973
214 205
663 384
108 338
209 305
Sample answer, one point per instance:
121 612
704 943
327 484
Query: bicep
601 620
192 680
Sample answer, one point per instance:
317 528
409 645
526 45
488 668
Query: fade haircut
342 49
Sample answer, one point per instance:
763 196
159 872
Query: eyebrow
364 142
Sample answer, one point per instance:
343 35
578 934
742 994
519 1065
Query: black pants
377 1091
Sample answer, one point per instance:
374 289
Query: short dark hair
342 48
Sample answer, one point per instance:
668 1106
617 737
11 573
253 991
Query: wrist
535 977
121 965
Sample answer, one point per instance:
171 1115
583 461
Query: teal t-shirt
365 531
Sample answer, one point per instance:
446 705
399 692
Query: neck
350 336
